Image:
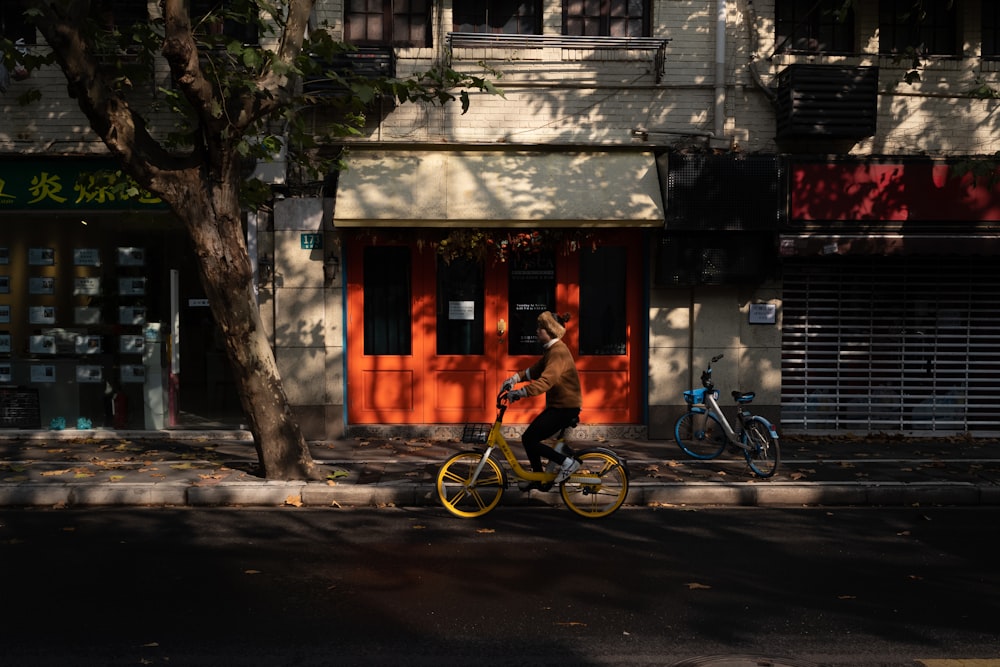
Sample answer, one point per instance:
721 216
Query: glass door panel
460 301
603 323
531 290
385 347
610 339
460 379
388 295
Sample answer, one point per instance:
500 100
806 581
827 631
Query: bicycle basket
697 396
476 434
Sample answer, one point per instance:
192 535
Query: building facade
768 180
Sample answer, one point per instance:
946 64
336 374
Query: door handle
501 327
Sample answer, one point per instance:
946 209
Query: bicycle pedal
525 487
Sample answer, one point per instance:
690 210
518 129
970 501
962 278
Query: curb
70 434
408 494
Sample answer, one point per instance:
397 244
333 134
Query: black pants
545 425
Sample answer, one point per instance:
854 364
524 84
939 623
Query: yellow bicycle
471 483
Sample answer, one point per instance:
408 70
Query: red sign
911 191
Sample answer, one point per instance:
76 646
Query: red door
430 341
601 288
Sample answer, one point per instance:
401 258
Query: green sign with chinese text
70 184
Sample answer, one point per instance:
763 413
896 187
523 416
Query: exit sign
311 241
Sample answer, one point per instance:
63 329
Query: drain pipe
720 68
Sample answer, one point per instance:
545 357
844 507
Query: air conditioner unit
826 101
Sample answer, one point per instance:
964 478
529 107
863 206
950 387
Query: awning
498 189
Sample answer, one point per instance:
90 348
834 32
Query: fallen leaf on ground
251 571
485 531
694 586
294 501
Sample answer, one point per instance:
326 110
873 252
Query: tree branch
119 126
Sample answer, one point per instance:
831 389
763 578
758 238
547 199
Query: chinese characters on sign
69 184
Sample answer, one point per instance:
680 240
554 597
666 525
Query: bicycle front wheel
762 454
463 497
599 487
700 435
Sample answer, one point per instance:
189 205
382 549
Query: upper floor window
225 23
392 22
606 18
13 25
923 27
990 19
119 15
509 17
809 26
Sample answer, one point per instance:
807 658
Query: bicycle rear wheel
763 454
599 487
460 495
700 435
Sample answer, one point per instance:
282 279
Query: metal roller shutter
875 344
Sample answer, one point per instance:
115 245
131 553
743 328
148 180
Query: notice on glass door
461 310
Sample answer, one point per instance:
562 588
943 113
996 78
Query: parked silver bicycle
704 432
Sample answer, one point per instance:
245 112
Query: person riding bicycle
555 376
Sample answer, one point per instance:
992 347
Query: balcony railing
477 40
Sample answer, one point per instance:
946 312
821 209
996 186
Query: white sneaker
569 466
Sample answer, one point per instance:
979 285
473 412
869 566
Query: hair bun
562 319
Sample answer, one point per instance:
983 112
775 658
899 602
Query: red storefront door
430 341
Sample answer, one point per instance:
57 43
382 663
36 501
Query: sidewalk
216 468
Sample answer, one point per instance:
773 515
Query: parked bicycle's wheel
700 435
463 497
763 454
599 487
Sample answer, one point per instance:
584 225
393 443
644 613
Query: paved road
524 586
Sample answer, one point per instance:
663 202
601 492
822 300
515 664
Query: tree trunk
212 216
202 188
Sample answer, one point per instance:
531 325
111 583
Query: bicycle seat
743 396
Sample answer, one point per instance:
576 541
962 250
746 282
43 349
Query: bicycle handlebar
706 375
503 401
